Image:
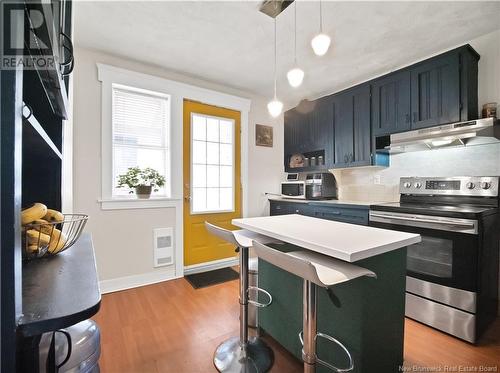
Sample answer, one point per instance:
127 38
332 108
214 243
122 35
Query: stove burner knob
470 185
486 185
418 185
407 185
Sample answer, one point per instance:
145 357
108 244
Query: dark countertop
60 291
329 202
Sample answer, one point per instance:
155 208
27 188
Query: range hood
474 132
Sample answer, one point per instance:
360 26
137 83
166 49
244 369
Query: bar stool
243 354
316 270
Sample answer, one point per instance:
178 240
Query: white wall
123 239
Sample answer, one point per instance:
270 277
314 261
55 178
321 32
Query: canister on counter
490 110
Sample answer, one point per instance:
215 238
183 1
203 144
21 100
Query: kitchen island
366 314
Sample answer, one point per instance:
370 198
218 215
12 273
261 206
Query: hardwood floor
170 327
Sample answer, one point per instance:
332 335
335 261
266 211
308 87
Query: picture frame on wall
263 135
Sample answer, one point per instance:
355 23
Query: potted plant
141 180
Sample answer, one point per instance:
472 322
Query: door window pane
199 175
199 128
212 129
212 164
212 176
226 132
199 152
226 154
212 153
226 176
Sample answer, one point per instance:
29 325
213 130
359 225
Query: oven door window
442 257
433 256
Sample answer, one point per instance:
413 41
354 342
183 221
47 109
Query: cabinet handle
414 117
407 118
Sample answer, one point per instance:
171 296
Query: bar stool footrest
324 363
337 342
256 303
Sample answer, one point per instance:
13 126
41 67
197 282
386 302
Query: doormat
218 276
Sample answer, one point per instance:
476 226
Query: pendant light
295 75
275 106
321 42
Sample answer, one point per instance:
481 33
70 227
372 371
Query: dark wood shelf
60 291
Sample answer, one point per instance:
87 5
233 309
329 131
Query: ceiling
231 43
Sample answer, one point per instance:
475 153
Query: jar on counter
490 110
312 161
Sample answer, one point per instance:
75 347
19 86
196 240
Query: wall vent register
163 250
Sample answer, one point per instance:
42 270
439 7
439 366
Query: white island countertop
343 241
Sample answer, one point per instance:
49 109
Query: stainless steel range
452 275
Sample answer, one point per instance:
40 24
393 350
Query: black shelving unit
34 107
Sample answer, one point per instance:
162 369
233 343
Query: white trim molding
210 266
135 281
109 75
137 203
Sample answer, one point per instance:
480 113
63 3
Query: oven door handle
421 220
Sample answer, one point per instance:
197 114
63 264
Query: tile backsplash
382 184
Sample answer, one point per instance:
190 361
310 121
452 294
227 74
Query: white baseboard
134 281
210 266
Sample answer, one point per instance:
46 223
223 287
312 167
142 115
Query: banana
37 211
42 225
57 241
33 248
53 216
37 238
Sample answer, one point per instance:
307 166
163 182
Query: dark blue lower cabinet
353 215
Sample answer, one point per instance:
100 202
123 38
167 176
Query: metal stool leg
243 354
309 327
309 334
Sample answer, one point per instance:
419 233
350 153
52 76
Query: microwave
294 187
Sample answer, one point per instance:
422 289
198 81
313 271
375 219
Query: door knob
187 198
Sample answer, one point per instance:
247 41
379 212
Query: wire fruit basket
43 239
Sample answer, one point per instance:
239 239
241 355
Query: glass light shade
320 44
295 76
275 107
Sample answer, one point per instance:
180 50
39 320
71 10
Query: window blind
140 133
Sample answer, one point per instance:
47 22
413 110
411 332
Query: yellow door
212 183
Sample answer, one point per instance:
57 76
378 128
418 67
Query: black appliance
321 186
452 275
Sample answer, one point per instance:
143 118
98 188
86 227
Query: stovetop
465 211
460 196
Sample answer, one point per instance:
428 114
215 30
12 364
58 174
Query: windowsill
137 203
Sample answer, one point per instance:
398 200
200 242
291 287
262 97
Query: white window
140 135
212 164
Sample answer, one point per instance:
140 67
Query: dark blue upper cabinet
342 128
391 105
435 91
352 135
308 132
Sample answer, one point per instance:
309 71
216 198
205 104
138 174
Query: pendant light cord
295 38
320 17
275 58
